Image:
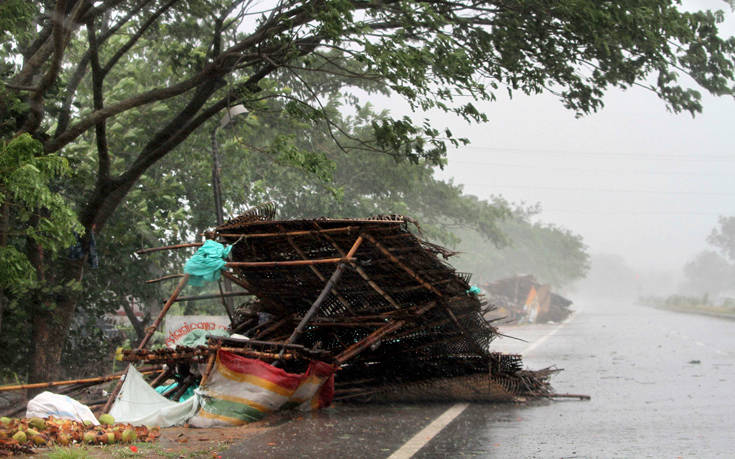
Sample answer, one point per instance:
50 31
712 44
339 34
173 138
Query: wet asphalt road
662 385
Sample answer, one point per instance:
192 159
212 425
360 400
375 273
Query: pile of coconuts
21 435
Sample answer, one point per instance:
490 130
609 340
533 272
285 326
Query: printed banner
179 326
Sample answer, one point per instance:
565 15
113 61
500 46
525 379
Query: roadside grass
142 450
68 453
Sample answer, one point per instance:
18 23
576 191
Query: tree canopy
115 86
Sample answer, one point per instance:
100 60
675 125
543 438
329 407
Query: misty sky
632 179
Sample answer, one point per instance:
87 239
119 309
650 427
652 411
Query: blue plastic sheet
205 265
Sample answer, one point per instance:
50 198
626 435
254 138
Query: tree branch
134 39
81 70
103 154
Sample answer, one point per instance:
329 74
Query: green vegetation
693 304
129 93
553 255
712 273
68 453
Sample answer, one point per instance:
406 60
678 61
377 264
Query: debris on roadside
334 309
23 435
371 303
522 299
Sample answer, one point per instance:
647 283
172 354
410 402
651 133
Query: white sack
48 404
139 404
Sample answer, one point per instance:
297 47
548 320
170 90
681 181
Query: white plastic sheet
48 404
140 404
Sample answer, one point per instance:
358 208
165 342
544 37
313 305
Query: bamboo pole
398 262
160 279
278 264
318 273
151 330
345 229
323 294
208 370
224 297
369 340
375 336
99 379
210 296
579 396
274 326
168 247
162 377
429 287
362 273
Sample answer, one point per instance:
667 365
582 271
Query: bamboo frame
151 330
429 287
323 294
318 273
398 262
375 336
362 273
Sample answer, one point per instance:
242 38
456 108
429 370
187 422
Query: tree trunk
51 321
138 325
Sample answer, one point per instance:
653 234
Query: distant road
661 384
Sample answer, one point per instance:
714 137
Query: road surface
661 385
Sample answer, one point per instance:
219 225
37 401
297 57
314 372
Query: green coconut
129 435
37 423
20 436
107 419
38 440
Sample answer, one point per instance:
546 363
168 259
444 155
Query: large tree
221 52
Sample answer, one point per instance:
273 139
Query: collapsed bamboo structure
522 299
367 295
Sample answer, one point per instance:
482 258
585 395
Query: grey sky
633 179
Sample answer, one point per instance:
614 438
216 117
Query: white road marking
420 440
541 340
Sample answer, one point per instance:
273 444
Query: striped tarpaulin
241 390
